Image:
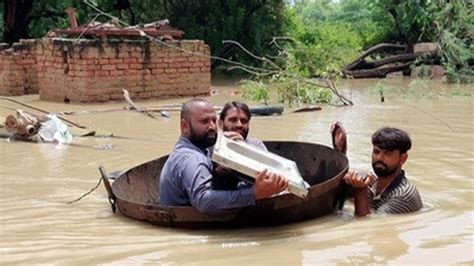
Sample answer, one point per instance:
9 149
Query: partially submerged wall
18 69
98 70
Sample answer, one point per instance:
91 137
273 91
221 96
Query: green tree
252 23
322 42
411 18
448 23
454 28
31 19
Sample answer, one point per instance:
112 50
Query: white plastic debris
250 160
54 130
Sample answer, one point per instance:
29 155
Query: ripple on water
36 179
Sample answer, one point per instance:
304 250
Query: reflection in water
453 240
37 179
345 254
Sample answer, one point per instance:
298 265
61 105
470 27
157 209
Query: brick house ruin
96 70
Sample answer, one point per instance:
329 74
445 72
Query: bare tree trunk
227 50
410 49
396 19
379 47
17 17
360 68
396 58
378 72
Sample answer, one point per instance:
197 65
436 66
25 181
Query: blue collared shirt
186 180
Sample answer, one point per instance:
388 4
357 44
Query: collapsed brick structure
88 70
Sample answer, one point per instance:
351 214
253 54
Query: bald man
187 174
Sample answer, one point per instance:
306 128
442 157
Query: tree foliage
2 24
454 26
252 23
326 34
333 33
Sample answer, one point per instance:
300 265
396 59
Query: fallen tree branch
362 68
254 72
373 49
163 108
126 95
261 58
333 87
319 82
378 72
397 58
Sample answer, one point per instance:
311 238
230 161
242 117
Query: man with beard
235 116
388 191
186 176
234 119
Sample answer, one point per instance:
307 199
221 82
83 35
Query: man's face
201 127
385 162
236 120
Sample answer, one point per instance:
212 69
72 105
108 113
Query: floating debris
106 147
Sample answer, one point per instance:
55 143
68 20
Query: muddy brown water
36 180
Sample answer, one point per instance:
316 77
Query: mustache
380 162
212 131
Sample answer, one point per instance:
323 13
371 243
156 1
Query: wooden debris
308 109
41 111
126 95
165 108
400 60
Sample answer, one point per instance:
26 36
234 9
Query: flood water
36 181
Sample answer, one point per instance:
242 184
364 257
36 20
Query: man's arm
197 179
339 143
360 186
267 184
338 137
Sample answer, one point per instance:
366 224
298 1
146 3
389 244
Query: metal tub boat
136 192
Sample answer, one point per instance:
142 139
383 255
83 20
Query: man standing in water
187 174
388 191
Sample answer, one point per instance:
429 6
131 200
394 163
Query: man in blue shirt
187 174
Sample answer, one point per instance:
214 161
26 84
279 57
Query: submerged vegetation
417 89
255 90
290 92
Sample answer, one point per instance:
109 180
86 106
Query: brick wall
18 67
97 71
